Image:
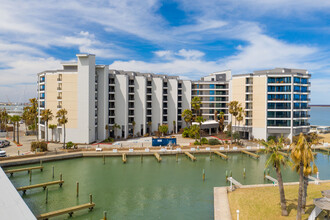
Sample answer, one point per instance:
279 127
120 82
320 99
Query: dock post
41 163
18 152
244 174
226 175
60 179
30 175
77 189
264 173
46 195
104 215
53 171
90 198
103 159
203 174
141 158
231 174
176 157
210 156
268 171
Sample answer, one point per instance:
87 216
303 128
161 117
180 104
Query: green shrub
204 141
197 143
39 146
236 136
214 142
228 133
109 139
272 138
69 145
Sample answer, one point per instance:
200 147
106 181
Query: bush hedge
204 141
214 142
40 146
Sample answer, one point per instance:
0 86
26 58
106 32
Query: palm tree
174 127
62 120
16 119
115 127
52 127
200 120
163 129
240 116
149 125
221 121
196 105
46 115
233 110
26 117
302 157
133 124
4 118
276 160
33 114
187 116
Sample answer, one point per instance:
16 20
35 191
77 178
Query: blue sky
185 38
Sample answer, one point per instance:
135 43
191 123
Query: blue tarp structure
163 141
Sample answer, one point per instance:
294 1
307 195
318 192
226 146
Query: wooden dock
251 154
159 159
284 154
24 169
69 211
224 156
324 149
43 185
124 158
272 179
192 157
235 182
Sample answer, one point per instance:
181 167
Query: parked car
3 153
4 143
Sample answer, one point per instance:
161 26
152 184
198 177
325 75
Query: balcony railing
59 88
59 97
59 106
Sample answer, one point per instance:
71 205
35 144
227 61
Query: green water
148 190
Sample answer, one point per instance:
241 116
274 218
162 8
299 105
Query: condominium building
102 102
275 102
97 98
214 92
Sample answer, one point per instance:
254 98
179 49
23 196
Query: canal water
148 190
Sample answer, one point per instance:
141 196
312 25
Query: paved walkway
221 204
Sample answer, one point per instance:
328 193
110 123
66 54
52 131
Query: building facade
275 101
102 102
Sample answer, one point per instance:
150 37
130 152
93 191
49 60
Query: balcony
59 79
59 97
59 106
59 88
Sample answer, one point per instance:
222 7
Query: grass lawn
264 202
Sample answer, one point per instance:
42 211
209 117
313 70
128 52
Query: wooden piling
203 174
176 157
231 174
30 175
53 171
90 198
103 159
244 173
77 189
61 179
46 195
104 215
226 175
141 158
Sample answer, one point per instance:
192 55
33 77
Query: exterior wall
186 98
121 105
259 107
86 98
172 110
238 94
103 103
140 104
157 103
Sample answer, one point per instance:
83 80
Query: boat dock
69 211
235 182
159 159
43 185
224 156
192 157
124 158
325 149
24 169
251 154
271 179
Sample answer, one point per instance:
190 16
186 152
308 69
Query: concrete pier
221 204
